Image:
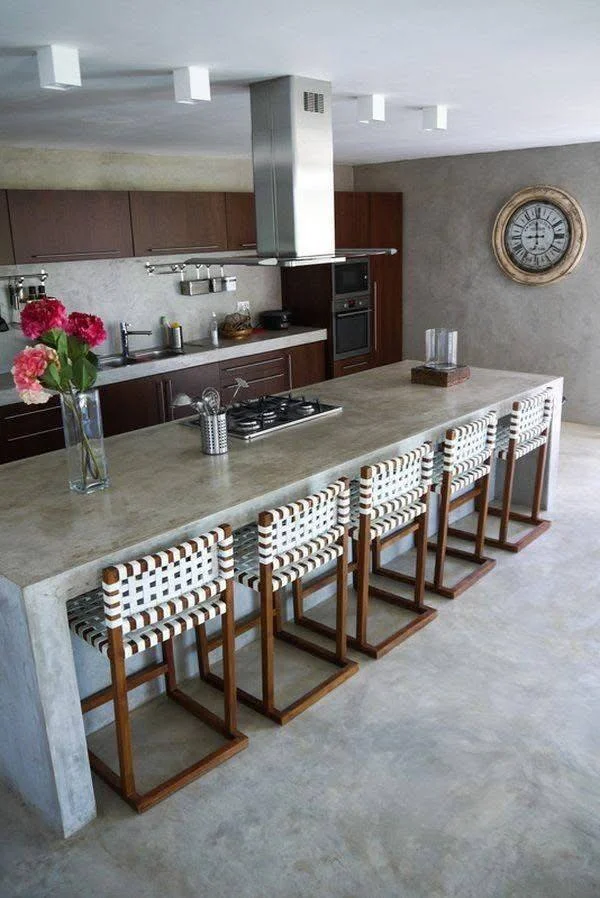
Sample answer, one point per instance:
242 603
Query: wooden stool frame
364 547
475 470
124 782
505 513
270 621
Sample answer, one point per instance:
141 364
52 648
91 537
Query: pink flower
41 316
31 364
88 328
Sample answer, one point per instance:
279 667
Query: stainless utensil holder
214 433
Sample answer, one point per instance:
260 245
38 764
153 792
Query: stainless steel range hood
292 152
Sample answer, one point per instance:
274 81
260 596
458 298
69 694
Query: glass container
84 441
440 348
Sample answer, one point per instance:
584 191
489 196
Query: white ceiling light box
192 84
58 67
435 118
370 108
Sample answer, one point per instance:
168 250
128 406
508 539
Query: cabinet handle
254 364
34 433
160 389
290 372
176 249
248 245
355 365
375 317
84 253
38 411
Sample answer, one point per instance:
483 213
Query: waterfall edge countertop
200 352
164 488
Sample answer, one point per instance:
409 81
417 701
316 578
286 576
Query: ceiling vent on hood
292 153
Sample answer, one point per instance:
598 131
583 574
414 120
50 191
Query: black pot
275 320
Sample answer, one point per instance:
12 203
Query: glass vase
84 441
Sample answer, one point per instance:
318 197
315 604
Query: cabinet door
353 365
27 430
307 365
268 373
241 221
165 222
6 248
191 381
63 225
386 276
132 404
352 220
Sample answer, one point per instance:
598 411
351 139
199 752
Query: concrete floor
465 763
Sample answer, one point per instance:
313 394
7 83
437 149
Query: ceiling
513 74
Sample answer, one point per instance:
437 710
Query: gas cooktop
257 418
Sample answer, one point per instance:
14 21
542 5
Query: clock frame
577 227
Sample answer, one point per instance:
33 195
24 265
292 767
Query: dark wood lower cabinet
191 381
353 365
30 430
132 404
308 365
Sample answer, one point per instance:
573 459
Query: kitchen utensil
211 398
3 324
275 319
240 383
213 428
175 337
222 284
195 287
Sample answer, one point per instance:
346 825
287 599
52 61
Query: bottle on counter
176 336
213 330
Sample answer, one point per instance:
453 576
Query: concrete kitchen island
54 543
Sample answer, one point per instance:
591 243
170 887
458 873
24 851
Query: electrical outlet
243 307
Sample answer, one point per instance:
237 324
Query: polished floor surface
465 763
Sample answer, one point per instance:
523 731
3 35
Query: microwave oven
351 278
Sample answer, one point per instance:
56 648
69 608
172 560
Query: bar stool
288 543
392 503
465 461
528 432
145 603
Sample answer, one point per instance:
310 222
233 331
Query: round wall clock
539 235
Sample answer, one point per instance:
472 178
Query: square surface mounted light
435 118
58 67
192 84
370 108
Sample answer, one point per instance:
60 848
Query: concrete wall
120 289
451 278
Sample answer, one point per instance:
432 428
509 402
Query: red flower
41 316
89 328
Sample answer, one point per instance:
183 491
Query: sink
135 358
149 355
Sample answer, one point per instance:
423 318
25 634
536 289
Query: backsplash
121 290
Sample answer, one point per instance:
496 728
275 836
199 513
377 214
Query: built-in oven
351 278
351 326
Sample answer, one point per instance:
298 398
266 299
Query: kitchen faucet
126 334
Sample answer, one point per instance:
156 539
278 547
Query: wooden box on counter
433 377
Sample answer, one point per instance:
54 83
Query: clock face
537 236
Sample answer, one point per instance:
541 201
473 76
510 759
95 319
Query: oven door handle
351 314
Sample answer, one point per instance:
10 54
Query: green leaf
76 348
51 378
62 346
84 374
93 358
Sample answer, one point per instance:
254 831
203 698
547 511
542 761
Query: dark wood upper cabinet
169 222
386 276
351 220
66 225
241 220
7 256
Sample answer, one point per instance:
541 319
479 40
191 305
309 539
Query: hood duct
292 152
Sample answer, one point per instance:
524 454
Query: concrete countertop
163 487
197 353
